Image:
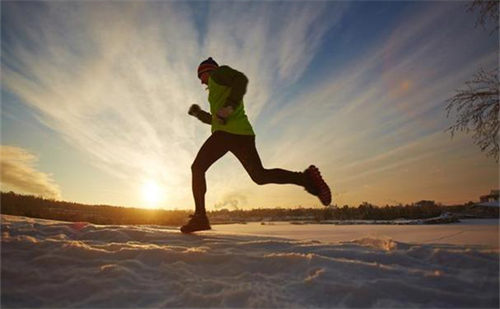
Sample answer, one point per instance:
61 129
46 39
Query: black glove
194 110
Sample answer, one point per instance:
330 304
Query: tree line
37 207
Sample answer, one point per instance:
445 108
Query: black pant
243 147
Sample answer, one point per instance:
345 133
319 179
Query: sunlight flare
152 193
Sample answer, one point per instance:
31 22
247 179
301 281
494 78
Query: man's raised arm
202 115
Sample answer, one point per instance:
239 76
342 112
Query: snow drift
60 264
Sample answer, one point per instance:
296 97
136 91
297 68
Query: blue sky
95 95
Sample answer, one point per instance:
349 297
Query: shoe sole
185 231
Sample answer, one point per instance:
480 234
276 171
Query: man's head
205 68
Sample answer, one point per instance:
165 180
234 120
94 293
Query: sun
152 193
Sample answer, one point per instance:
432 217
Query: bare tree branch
477 106
477 109
488 11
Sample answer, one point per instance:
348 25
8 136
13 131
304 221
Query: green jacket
226 87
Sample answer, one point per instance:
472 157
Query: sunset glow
91 90
152 193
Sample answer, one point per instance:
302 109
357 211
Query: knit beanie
206 66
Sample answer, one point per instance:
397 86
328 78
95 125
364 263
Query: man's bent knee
197 168
258 178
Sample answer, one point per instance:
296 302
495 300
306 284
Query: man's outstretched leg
244 149
213 149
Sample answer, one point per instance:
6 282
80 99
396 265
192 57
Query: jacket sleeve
236 80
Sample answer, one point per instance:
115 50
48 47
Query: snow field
62 264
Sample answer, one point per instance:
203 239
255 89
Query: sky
94 100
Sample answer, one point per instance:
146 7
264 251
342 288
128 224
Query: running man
231 131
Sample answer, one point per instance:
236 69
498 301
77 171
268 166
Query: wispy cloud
19 173
272 42
122 95
115 79
385 112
